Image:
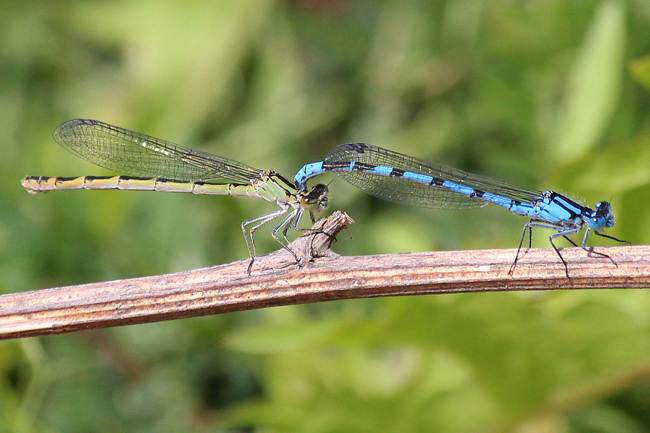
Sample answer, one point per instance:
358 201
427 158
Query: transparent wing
403 190
135 154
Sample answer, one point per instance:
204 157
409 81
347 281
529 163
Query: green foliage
543 94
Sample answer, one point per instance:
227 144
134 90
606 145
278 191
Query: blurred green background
548 94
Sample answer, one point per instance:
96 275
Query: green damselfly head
316 198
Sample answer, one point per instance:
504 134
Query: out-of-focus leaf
640 69
594 84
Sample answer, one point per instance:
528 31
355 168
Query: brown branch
277 280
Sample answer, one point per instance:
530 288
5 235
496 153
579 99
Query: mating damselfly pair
158 165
